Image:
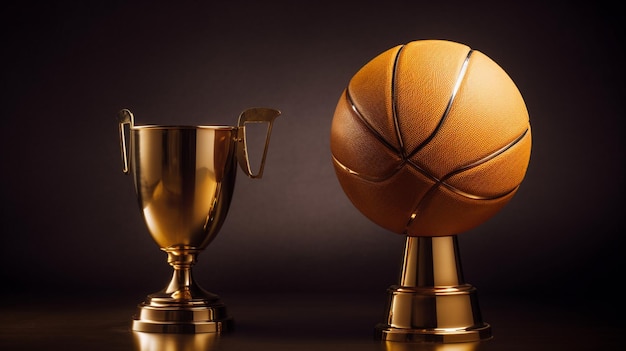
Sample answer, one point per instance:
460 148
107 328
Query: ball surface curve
430 138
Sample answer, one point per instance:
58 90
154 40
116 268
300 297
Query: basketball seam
486 158
424 200
440 182
366 177
394 103
405 159
446 112
366 122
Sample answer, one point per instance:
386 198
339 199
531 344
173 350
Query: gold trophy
184 180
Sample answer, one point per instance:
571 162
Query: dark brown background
70 224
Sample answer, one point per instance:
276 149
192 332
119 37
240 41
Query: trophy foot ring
189 320
437 315
387 333
218 327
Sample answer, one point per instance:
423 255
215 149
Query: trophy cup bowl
184 180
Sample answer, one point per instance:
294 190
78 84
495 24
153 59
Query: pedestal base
182 318
432 303
464 335
441 315
183 306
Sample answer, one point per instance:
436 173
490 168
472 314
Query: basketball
430 138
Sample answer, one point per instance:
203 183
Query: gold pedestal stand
183 306
432 303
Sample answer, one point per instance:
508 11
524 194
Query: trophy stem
183 306
432 303
182 286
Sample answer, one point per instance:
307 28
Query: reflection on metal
175 342
404 346
432 302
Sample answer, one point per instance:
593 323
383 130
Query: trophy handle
254 115
125 117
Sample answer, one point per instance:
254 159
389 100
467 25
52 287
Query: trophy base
462 335
182 317
182 307
432 303
437 315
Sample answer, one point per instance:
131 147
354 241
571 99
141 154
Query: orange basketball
430 138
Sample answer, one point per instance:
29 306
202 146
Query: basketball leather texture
430 138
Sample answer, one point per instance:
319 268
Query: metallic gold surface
403 346
184 180
432 302
174 342
257 115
